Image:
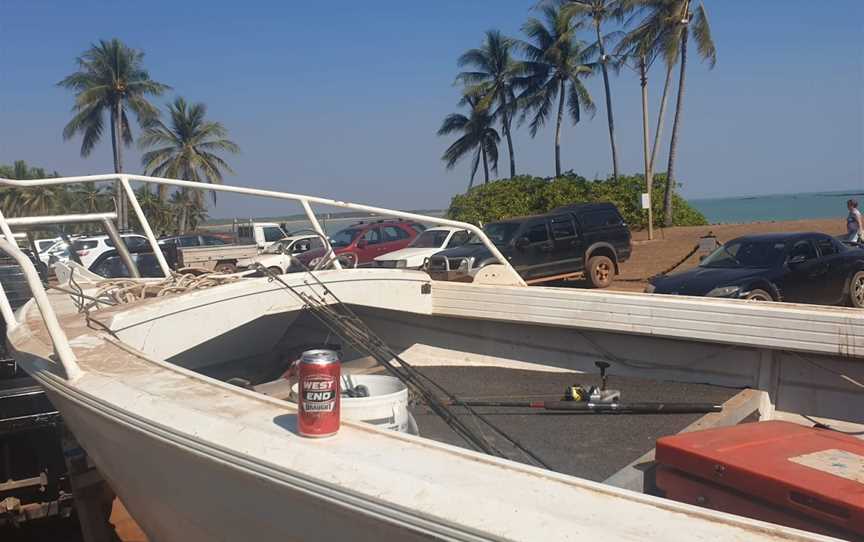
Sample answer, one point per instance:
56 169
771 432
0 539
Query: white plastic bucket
386 406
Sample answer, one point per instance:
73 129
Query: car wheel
348 260
856 290
225 267
601 270
275 270
758 295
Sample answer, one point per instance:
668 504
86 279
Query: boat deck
592 446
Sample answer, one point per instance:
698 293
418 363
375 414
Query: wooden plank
737 408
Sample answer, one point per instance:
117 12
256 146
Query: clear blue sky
343 99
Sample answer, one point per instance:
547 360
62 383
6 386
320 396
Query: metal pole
317 227
122 249
157 250
649 167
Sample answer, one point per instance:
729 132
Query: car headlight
401 263
316 261
465 264
724 291
650 288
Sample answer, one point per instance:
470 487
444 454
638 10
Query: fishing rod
355 332
603 408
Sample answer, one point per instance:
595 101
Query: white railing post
62 350
5 306
317 227
262 193
157 250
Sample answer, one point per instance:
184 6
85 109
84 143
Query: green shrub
526 195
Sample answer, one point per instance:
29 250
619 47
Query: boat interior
205 364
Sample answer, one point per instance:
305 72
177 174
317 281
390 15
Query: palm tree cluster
111 81
91 197
541 76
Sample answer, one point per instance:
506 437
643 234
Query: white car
90 248
280 256
423 246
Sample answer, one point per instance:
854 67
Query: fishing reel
594 394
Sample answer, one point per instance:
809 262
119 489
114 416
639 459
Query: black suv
589 238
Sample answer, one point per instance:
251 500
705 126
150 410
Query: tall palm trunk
660 116
608 101
116 145
649 175
485 164
505 120
558 129
676 126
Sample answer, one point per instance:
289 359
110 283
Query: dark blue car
793 267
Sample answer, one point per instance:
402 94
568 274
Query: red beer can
318 390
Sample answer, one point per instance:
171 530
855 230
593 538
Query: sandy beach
671 244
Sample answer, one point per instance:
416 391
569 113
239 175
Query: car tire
758 294
225 267
275 270
601 271
856 290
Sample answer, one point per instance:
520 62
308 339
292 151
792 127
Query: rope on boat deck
122 291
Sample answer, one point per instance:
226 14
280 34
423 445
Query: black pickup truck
589 238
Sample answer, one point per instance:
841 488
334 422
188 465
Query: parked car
362 242
794 267
280 257
192 240
90 248
589 238
110 265
423 246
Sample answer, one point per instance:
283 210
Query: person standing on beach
854 224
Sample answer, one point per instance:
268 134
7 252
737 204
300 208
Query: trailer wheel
225 267
600 270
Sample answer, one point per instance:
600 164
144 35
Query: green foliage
526 195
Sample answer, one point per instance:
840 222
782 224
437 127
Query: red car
361 243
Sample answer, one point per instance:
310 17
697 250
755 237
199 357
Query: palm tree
670 21
35 200
556 63
478 136
157 212
187 149
110 78
188 208
88 198
599 12
495 78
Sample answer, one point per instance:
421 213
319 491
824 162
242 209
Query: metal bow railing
58 337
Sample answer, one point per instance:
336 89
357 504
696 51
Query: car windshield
344 237
430 239
500 233
746 254
277 247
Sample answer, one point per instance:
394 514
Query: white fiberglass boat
194 458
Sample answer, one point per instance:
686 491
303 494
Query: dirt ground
671 244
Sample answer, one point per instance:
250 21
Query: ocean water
777 207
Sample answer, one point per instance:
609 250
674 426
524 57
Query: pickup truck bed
217 258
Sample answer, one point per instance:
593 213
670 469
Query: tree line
541 77
111 84
91 198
